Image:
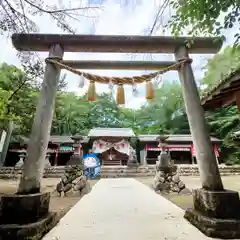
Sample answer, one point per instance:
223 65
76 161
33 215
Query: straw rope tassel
120 98
149 90
92 91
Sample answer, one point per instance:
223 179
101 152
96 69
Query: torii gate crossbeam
113 43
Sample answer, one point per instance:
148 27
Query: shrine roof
172 138
114 43
58 139
223 94
66 139
111 132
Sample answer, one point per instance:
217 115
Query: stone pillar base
216 213
34 230
25 216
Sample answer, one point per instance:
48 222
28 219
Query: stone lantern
77 143
75 159
166 177
22 156
47 162
164 159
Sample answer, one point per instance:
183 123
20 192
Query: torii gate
57 44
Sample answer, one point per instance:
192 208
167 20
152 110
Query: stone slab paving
123 209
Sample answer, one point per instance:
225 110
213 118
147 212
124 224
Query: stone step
112 162
120 171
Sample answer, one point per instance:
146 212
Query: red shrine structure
114 146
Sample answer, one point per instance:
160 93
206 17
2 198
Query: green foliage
204 17
17 97
225 63
165 113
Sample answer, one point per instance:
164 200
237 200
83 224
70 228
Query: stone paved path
123 209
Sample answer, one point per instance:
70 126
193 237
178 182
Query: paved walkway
123 209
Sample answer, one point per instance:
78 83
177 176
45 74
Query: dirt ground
61 205
186 201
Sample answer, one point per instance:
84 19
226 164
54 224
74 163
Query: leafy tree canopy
221 65
204 17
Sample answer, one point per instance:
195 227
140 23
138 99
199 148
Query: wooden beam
221 95
220 102
230 90
114 43
233 80
118 65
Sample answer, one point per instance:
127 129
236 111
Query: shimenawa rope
120 80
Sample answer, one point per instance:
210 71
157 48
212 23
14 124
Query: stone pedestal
216 213
167 179
25 216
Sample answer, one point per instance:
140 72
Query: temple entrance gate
56 45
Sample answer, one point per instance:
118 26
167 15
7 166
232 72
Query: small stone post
3 155
211 213
34 164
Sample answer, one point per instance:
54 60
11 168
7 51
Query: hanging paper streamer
149 90
92 91
159 79
81 81
156 81
110 85
120 98
134 90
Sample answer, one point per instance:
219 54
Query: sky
116 17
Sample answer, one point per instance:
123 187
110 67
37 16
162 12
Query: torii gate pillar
208 168
211 202
41 127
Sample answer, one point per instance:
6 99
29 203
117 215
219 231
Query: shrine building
114 146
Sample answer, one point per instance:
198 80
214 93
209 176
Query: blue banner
92 165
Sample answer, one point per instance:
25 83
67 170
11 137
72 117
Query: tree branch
159 14
59 10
